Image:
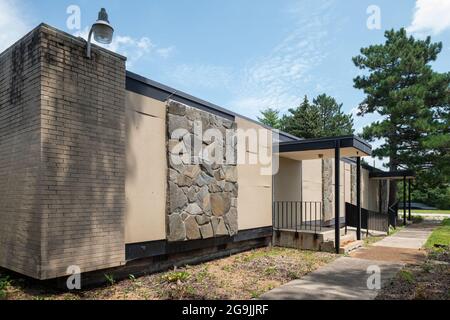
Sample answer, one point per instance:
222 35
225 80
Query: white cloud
431 17
12 23
165 52
133 48
202 76
279 79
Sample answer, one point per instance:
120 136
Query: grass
4 283
244 275
400 211
440 237
429 280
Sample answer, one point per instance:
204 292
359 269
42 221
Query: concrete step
351 236
350 246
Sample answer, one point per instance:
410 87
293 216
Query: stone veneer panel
328 189
353 183
202 194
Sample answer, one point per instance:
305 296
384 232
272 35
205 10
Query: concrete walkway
346 277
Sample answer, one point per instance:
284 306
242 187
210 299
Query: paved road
346 277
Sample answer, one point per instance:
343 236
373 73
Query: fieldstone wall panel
202 194
353 183
328 189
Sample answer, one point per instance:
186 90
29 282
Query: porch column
404 200
409 199
358 197
380 196
337 194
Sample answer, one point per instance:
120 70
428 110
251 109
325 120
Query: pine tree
402 88
321 118
270 117
333 121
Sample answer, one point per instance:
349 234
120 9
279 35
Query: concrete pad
400 243
398 255
412 237
344 279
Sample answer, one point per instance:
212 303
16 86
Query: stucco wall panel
288 181
255 190
145 186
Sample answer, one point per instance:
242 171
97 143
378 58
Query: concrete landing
412 237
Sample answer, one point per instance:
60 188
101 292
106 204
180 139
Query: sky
244 55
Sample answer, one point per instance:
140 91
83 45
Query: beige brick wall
74 211
20 221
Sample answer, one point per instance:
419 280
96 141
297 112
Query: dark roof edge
391 174
328 142
175 92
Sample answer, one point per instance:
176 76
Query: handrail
297 215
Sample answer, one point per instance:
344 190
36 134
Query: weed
407 276
255 294
270 271
176 276
110 279
4 283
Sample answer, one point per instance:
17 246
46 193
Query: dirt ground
411 256
242 276
429 280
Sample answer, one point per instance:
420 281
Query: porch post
358 197
409 199
404 200
337 195
380 196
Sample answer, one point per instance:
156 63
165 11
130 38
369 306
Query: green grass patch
400 212
440 237
256 254
406 276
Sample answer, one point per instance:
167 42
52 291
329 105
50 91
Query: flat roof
392 175
150 88
323 148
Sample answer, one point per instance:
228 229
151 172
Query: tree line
413 102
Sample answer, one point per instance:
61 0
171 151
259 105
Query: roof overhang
324 148
392 175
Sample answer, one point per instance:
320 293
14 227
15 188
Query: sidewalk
346 277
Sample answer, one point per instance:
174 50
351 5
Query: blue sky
244 55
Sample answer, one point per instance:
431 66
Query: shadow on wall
83 157
20 227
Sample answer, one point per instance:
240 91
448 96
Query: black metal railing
297 215
370 220
393 214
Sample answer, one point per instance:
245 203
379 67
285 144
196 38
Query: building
87 178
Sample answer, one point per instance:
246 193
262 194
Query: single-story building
89 175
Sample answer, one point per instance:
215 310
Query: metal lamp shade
103 32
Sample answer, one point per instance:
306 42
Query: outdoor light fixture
102 30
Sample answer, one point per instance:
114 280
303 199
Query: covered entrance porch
298 209
406 176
